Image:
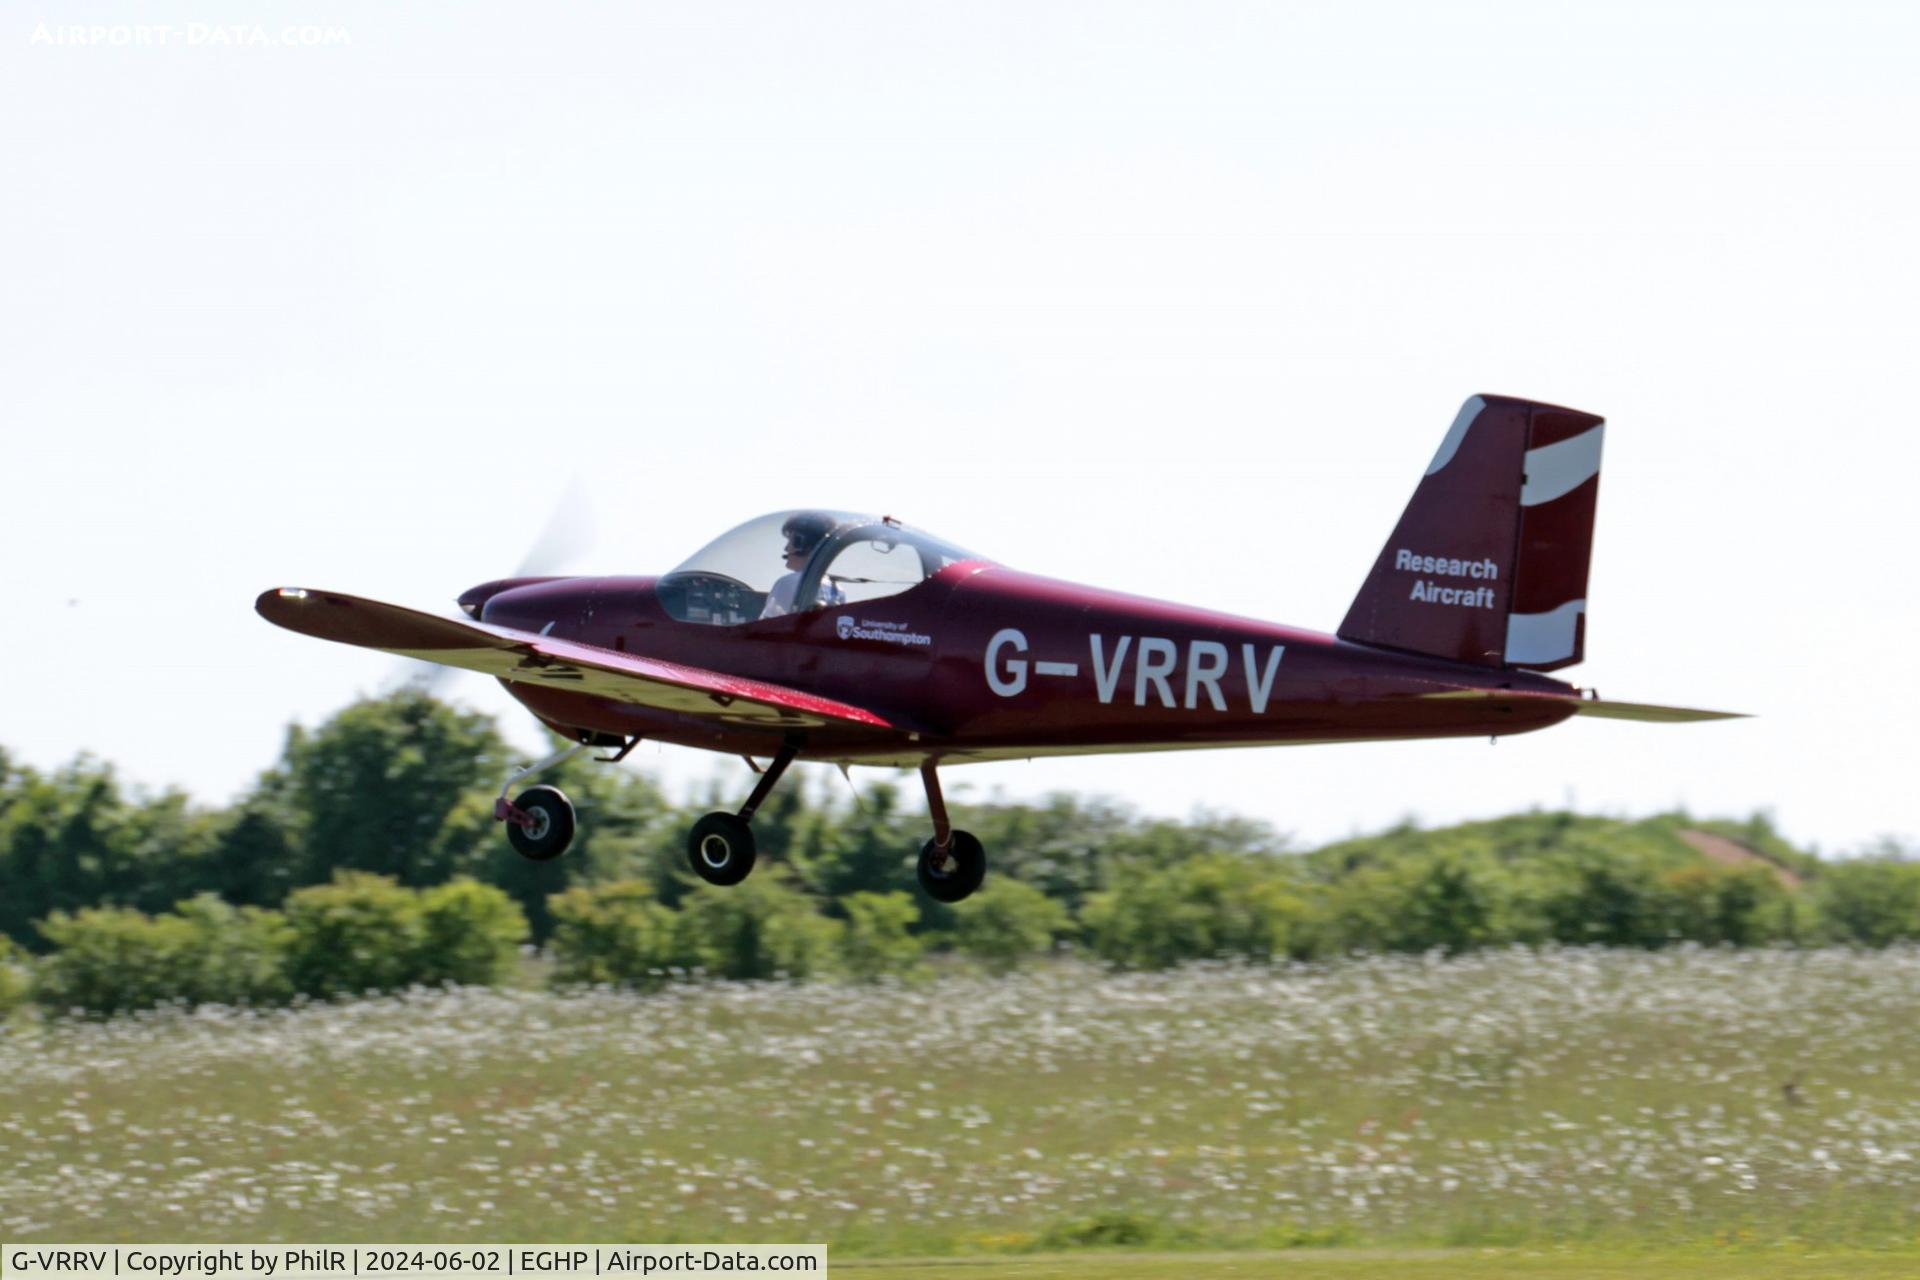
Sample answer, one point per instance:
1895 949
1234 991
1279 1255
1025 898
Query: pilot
805 531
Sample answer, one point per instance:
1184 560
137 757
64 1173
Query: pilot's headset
805 530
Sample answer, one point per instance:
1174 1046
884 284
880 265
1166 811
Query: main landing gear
720 848
953 863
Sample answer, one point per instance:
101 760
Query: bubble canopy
828 557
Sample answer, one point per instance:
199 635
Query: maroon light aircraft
858 640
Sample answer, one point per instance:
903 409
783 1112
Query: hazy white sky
1175 298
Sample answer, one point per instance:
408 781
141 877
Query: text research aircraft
856 640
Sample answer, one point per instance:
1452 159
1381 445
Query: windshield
753 554
793 561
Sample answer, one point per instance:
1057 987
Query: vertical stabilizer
1488 564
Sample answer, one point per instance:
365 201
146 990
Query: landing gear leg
540 819
720 848
953 863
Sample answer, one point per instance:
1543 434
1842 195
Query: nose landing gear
540 819
540 823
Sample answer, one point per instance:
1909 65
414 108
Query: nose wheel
548 828
540 819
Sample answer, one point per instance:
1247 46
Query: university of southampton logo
885 632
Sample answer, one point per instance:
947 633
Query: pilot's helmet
804 531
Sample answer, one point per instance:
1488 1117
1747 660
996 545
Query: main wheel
720 848
952 875
552 828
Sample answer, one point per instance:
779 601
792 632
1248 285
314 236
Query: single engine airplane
859 640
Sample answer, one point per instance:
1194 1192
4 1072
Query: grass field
1501 1114
1400 1264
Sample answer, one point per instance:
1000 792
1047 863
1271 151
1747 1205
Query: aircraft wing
562 664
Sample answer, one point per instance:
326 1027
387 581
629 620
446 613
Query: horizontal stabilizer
1647 711
1588 706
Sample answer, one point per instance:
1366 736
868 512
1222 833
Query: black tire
720 848
552 829
959 873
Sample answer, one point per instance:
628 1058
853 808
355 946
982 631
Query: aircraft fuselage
983 662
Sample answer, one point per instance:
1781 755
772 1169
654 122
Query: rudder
1488 564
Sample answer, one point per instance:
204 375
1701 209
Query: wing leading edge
561 664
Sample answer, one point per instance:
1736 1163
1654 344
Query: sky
1171 298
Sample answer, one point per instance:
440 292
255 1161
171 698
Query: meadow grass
1370 1264
1759 1104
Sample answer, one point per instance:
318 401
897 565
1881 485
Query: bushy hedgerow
111 959
1008 923
1869 901
364 933
760 928
612 933
1596 895
1449 901
15 980
1744 906
1213 904
878 940
238 956
470 934
358 933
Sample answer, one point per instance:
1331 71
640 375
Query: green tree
1741 906
1061 846
1871 901
1007 923
617 934
760 928
401 785
56 842
16 980
360 933
626 830
1213 904
470 934
1605 897
237 955
255 859
109 959
870 849
76 839
878 941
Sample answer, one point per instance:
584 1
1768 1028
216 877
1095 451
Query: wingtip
274 603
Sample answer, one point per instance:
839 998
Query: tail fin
1488 564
